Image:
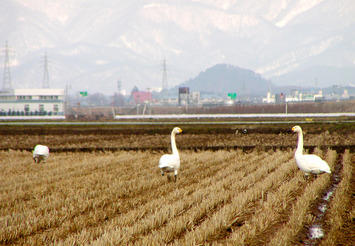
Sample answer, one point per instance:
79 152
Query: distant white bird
171 162
308 163
40 152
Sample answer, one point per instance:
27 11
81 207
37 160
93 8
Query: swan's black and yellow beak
179 130
293 129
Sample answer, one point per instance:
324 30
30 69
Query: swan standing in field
171 162
40 152
308 163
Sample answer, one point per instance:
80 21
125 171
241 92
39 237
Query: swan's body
308 163
171 162
40 152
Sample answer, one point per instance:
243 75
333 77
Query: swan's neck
299 149
173 144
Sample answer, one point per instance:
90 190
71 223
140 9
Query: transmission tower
119 86
7 85
45 83
165 77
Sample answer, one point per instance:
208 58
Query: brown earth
78 198
199 137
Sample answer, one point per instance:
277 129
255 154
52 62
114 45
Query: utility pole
45 83
7 84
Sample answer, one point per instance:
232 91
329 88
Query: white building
319 96
32 102
345 94
195 97
269 98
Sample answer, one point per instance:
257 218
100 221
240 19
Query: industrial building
140 97
41 103
184 96
32 102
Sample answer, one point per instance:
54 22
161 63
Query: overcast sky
91 44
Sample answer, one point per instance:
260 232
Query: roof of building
34 92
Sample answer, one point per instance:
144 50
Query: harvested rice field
221 197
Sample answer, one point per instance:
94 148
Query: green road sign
83 93
232 95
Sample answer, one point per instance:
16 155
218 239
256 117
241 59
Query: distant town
58 104
184 96
222 88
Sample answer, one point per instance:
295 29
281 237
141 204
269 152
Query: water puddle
316 231
322 207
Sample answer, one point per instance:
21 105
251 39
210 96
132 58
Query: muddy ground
198 137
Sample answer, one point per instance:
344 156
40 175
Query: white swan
308 163
171 162
40 152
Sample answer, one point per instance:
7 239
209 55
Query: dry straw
120 198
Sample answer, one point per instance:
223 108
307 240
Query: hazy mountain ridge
327 75
223 79
92 44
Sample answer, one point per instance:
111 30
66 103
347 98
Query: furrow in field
137 214
164 215
63 167
313 231
300 212
255 186
269 219
28 194
267 213
180 206
90 206
338 232
64 197
136 201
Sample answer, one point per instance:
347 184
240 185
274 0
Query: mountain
91 44
316 76
223 79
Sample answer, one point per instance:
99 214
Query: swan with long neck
171 162
308 163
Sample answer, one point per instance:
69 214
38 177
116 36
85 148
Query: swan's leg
306 176
175 175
